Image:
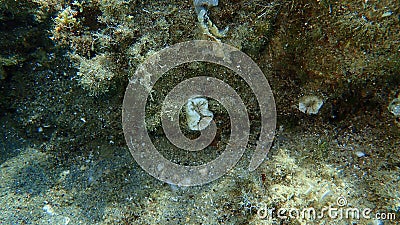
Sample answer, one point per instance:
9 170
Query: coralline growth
206 24
310 104
198 115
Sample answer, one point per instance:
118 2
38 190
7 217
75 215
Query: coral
95 74
198 115
207 26
310 104
65 25
95 29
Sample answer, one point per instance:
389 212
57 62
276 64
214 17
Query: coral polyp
198 115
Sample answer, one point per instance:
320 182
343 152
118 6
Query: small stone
360 154
394 107
386 14
197 114
310 104
48 209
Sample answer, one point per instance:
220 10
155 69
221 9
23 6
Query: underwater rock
198 116
360 154
310 104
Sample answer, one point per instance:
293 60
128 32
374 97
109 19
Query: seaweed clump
95 73
108 36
